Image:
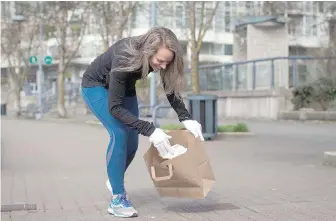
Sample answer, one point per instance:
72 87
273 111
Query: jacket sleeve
116 94
179 107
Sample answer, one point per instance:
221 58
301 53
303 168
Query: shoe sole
110 211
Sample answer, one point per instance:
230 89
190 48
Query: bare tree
332 39
326 67
200 19
69 21
113 19
17 37
320 74
194 19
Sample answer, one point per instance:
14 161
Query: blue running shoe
120 206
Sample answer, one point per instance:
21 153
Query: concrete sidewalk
276 175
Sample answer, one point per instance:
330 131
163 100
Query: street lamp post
39 73
18 19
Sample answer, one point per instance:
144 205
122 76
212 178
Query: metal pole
153 75
39 73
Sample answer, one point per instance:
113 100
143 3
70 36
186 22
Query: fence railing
262 73
243 75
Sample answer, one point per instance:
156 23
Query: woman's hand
160 140
194 127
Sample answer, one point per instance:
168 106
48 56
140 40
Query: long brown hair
140 49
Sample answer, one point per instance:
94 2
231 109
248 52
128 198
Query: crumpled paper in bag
179 150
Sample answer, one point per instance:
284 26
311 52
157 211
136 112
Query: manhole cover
210 207
201 208
17 207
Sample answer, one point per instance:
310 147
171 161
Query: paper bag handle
170 167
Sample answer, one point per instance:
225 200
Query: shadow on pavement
200 207
183 205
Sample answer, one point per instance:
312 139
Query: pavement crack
255 211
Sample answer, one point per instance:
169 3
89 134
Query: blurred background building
307 27
305 23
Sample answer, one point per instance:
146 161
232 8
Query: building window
321 7
5 11
314 28
259 8
198 16
248 5
221 49
217 49
310 27
227 4
315 7
324 28
208 13
19 8
219 20
205 48
227 19
228 49
309 7
179 18
227 7
295 27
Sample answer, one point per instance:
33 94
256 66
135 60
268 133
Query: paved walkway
275 175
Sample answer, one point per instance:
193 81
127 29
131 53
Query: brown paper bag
187 175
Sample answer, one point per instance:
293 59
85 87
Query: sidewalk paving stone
276 175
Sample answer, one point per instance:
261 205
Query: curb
236 134
219 135
226 134
329 158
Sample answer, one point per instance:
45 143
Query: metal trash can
203 108
3 109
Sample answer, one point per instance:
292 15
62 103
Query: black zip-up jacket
122 84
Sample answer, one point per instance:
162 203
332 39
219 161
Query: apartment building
306 25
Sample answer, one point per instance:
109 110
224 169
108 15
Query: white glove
194 127
160 140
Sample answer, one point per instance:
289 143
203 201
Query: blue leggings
123 140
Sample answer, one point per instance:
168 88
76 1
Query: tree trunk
332 48
17 102
194 70
15 91
60 103
61 66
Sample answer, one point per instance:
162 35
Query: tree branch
125 15
200 27
187 22
80 39
192 21
207 26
